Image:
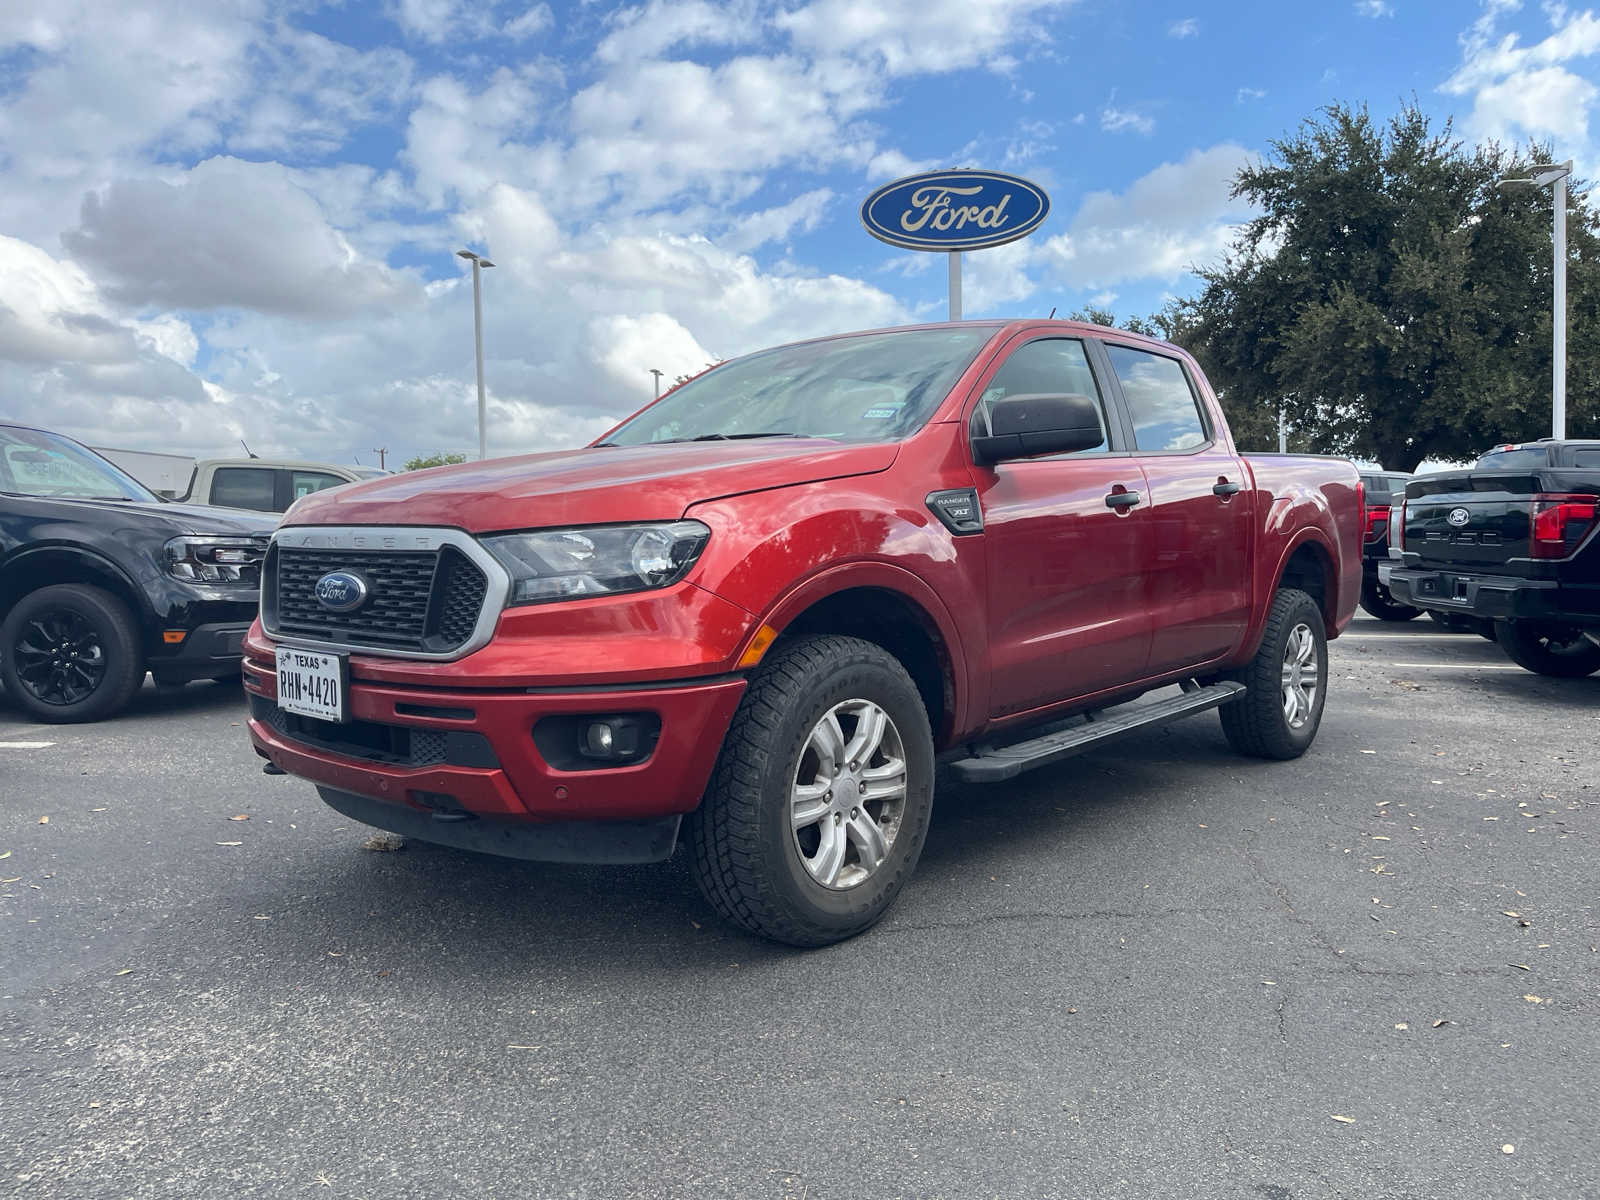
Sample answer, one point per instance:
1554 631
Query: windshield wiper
730 437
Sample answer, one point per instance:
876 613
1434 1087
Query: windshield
35 463
876 387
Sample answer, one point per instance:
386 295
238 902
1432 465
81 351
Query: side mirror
1022 426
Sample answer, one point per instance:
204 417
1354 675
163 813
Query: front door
1066 570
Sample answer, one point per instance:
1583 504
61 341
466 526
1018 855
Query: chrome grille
418 601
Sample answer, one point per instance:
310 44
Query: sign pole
955 285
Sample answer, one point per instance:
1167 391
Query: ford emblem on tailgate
1458 517
341 591
954 210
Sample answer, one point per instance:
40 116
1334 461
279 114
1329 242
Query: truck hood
178 518
593 486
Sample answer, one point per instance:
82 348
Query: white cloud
1121 120
1528 90
804 213
1177 216
1374 9
661 25
1246 94
534 20
1188 27
917 36
228 234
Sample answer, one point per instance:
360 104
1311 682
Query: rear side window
1586 458
1050 366
244 487
303 483
1160 401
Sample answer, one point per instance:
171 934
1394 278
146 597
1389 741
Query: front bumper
208 652
431 758
1490 596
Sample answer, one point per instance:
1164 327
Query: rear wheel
1375 598
820 801
70 653
1286 683
1558 650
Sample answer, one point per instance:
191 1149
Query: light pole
657 374
1546 174
478 263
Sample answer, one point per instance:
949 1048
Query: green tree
434 460
1392 299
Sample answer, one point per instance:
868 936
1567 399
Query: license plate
312 684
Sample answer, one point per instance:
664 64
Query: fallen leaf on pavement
1532 999
1369 752
230 843
1402 1025
1508 1148
7 854
1509 913
1439 1022
524 1047
1344 1120
44 820
1520 966
240 817
125 971
384 841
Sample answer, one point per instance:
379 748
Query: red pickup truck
756 613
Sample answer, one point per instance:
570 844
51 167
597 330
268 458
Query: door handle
1122 499
1225 488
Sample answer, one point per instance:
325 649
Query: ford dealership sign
955 210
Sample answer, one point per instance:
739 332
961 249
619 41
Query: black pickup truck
101 581
1515 540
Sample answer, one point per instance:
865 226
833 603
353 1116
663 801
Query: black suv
101 581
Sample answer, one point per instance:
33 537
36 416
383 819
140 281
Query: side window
303 483
243 487
1051 366
1160 402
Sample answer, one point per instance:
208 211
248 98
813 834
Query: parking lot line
1405 637
1443 666
26 745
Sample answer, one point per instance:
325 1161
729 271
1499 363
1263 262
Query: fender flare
883 576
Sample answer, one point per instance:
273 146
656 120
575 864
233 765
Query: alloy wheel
59 658
849 794
1302 676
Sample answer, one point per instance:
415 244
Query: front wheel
820 800
1557 650
70 653
1286 683
1375 598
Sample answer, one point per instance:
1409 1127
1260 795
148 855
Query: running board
994 764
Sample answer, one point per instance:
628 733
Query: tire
1258 723
1561 651
759 863
1375 598
94 634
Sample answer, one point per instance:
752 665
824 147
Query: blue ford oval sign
341 591
955 210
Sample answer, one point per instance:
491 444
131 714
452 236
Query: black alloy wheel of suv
70 653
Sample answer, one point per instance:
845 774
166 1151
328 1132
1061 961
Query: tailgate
1478 520
1483 520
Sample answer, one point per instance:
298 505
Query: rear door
1066 614
1199 513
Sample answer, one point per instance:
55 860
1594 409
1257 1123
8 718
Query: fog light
615 739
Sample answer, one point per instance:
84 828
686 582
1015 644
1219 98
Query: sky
238 219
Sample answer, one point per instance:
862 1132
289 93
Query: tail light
1560 522
1377 522
1397 526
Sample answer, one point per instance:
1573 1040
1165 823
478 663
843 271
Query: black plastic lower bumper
1492 596
208 652
554 841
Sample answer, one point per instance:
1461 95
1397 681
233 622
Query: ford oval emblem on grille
341 591
1458 517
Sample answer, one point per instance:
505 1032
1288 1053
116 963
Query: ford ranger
754 615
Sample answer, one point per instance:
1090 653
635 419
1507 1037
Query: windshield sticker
883 412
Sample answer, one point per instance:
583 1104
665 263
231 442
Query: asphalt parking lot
1156 971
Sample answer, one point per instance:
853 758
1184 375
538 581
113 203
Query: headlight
222 560
559 564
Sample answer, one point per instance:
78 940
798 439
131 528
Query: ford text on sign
954 210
